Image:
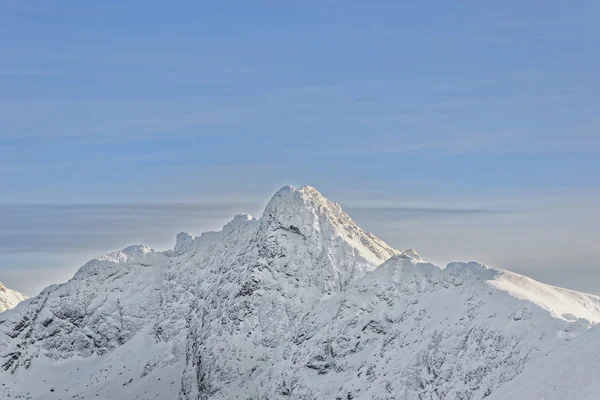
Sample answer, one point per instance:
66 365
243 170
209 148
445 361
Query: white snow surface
568 372
9 298
300 303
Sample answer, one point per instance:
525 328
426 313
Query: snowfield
298 304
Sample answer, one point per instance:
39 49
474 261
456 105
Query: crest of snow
561 303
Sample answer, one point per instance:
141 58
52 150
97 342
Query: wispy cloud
97 228
398 214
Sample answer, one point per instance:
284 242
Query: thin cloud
387 214
97 228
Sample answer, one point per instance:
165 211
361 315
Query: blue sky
433 105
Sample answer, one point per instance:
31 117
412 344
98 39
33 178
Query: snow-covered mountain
9 298
298 304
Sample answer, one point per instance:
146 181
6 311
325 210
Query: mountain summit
300 303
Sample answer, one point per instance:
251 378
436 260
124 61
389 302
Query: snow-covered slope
568 372
298 304
9 298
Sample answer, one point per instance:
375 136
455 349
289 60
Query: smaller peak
237 222
183 241
101 266
243 218
460 271
137 249
399 259
407 264
411 253
128 253
401 269
470 266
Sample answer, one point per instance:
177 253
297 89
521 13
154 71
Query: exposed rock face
298 304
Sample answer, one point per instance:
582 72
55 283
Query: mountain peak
307 212
411 253
290 197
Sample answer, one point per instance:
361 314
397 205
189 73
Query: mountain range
300 303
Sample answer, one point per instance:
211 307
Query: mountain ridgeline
300 303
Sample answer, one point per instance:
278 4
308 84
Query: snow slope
568 372
9 298
298 304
